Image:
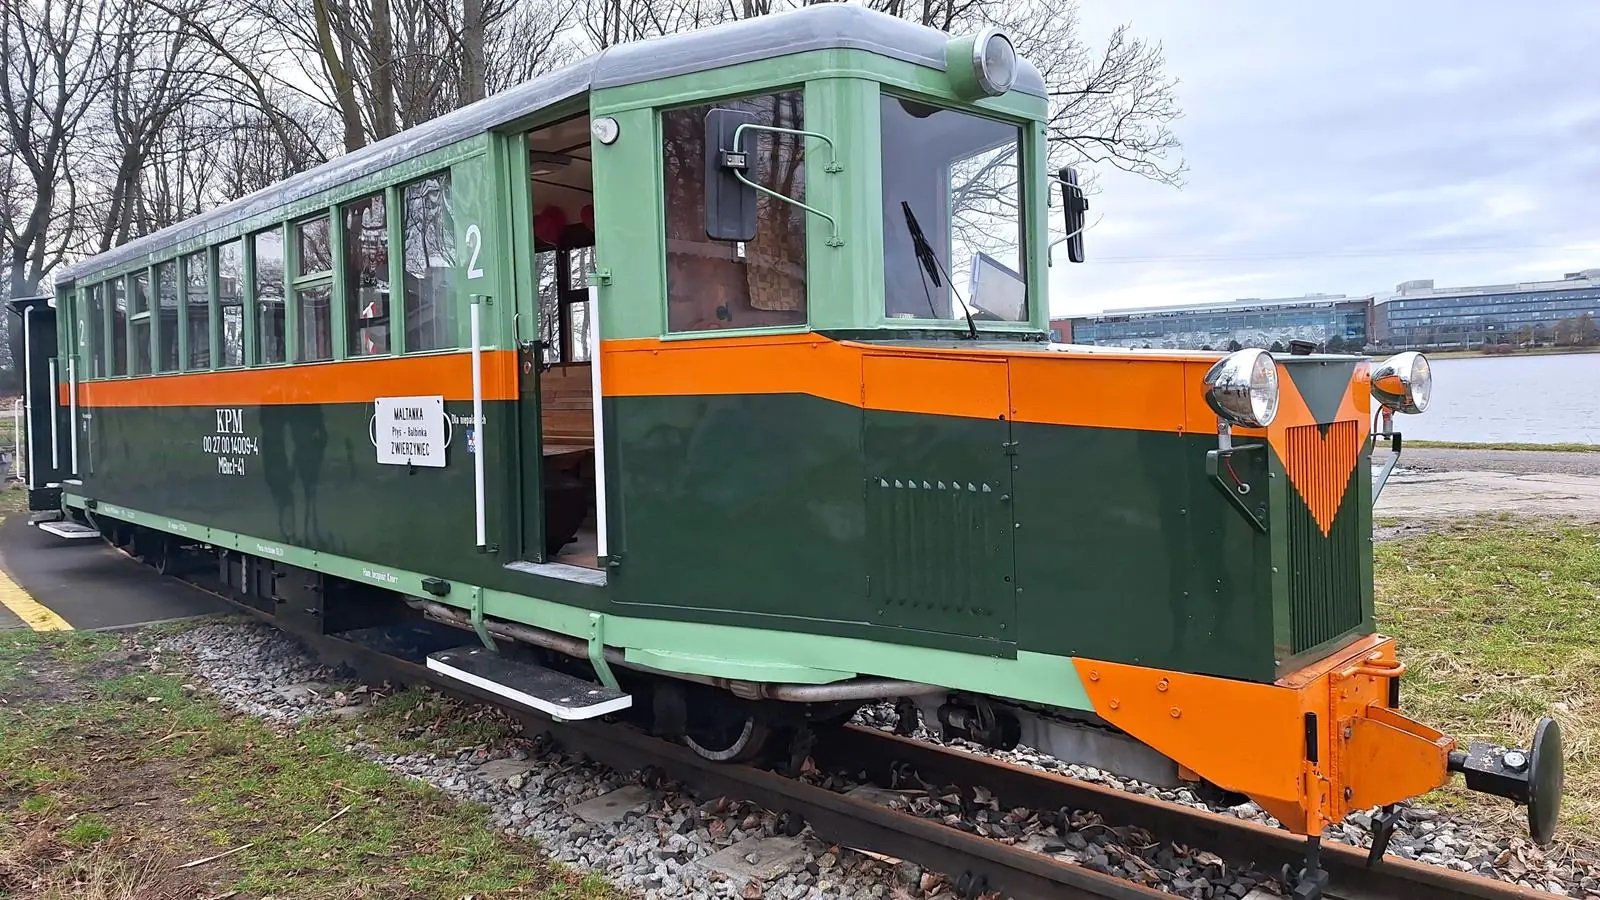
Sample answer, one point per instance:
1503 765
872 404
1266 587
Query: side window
366 276
729 284
197 306
313 290
95 331
230 302
166 312
119 326
429 250
139 324
267 278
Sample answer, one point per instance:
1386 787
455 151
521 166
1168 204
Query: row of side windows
131 323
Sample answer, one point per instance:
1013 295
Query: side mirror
1074 205
730 203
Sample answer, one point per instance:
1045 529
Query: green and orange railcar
711 371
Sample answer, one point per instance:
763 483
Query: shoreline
1534 351
1511 446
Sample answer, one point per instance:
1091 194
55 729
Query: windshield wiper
933 267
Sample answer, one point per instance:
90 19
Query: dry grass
1499 621
113 777
36 868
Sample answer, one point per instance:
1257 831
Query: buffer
536 687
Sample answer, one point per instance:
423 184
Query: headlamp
994 61
1403 382
1242 388
983 64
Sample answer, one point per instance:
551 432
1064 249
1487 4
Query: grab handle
476 445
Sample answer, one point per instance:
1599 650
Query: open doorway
561 184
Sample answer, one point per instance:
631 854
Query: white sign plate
410 430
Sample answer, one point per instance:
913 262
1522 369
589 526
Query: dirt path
1521 462
1441 484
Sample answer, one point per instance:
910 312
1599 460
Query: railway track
973 864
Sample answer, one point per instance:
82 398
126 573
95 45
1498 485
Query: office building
1333 321
1539 313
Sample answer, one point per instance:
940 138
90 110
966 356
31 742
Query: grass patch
86 830
418 719
105 791
13 499
1471 445
1498 620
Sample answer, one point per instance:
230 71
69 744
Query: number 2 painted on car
474 241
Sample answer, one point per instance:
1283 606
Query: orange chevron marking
1319 465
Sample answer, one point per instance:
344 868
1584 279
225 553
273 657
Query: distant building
1061 331
1332 321
1421 316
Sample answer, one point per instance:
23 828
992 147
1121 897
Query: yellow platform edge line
32 613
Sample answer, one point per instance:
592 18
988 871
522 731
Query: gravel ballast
662 847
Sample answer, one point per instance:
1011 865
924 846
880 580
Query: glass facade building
1335 322
1546 313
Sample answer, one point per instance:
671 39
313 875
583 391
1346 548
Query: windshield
955 178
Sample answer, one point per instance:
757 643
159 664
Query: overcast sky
1346 147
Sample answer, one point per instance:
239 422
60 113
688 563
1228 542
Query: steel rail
973 863
1235 840
969 859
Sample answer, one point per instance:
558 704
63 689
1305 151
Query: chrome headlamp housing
1242 388
994 61
983 64
1403 382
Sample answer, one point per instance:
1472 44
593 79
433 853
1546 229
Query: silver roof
827 26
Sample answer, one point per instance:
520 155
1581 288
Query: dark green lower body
793 513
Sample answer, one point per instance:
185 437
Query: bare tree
52 58
156 68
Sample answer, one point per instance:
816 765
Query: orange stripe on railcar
351 381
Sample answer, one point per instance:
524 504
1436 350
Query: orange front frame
1310 748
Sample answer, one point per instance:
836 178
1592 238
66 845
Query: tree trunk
344 91
473 70
383 114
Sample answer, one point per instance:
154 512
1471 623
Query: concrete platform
85 585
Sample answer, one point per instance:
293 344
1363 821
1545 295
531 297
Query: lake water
1532 399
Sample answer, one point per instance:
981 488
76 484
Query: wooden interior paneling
567 410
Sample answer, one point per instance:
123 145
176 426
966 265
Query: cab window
952 214
713 285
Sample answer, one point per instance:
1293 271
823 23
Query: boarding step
70 530
546 690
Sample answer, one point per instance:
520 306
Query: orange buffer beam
1310 748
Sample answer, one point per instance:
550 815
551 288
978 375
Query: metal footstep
546 690
69 530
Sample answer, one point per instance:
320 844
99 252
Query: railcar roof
827 26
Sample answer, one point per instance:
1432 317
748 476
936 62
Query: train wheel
727 732
163 556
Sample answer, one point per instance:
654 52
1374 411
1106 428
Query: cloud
1345 149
